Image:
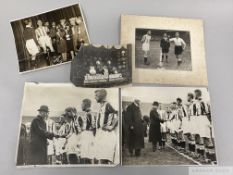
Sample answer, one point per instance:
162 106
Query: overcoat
38 141
154 130
135 136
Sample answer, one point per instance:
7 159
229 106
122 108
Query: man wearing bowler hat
39 136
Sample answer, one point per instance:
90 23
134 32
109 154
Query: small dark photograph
163 49
102 66
50 38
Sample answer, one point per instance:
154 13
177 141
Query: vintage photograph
63 125
166 50
162 49
50 38
167 126
102 66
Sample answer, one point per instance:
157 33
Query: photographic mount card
166 50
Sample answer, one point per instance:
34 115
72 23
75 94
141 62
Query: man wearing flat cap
39 136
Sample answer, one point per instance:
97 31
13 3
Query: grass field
154 57
166 156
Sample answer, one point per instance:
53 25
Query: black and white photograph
50 38
167 126
166 50
63 125
102 66
162 49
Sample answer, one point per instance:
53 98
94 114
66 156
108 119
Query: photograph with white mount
102 66
167 126
50 38
63 125
166 50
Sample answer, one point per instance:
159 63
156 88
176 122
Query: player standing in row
88 133
205 144
163 125
179 47
32 44
165 45
183 115
146 46
189 127
43 37
106 122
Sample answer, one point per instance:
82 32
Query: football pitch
165 156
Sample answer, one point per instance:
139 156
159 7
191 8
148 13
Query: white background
103 19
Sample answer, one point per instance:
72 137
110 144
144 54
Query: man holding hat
39 136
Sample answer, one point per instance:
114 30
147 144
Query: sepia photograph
102 66
166 50
162 49
63 125
167 126
50 38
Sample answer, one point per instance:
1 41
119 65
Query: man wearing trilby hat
39 136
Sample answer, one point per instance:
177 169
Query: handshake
59 136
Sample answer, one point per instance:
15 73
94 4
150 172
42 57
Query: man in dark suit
133 121
155 135
39 137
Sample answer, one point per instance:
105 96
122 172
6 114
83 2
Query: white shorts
50 148
186 125
174 126
170 126
203 127
146 47
163 127
105 145
45 41
87 145
59 144
73 144
194 125
32 48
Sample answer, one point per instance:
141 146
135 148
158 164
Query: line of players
58 40
164 45
84 137
190 128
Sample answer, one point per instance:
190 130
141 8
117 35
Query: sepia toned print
62 125
167 126
50 38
